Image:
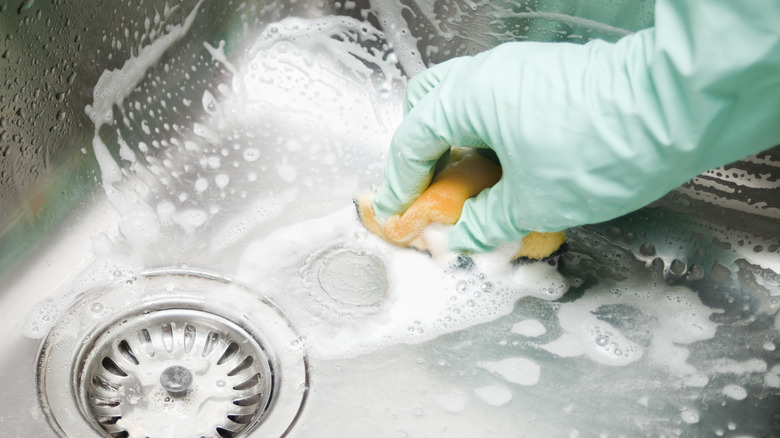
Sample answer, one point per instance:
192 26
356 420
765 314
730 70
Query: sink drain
172 354
156 370
345 280
352 277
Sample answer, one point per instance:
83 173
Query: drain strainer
176 366
172 354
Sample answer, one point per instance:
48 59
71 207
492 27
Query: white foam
222 180
517 370
732 366
425 296
218 53
530 328
201 184
191 219
258 213
285 171
209 103
205 132
689 416
585 334
404 43
139 222
450 401
494 395
114 86
540 280
696 380
321 69
682 319
735 391
43 317
772 380
251 154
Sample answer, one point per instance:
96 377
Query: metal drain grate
157 372
172 354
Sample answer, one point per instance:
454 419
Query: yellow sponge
465 174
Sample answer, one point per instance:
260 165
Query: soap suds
736 392
689 416
426 297
772 378
494 395
678 316
732 366
529 327
452 402
517 370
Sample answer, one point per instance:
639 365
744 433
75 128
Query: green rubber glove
587 133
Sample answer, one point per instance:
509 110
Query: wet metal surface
227 139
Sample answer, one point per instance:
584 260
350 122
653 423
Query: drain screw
176 380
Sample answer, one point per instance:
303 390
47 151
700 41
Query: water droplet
96 307
461 286
602 340
486 286
251 154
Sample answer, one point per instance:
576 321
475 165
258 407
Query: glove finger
485 222
411 160
425 134
424 82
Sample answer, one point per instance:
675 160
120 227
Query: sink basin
181 257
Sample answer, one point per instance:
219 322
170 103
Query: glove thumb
485 222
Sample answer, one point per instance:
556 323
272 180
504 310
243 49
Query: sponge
464 174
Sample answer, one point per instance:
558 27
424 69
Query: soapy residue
299 72
426 296
452 402
666 317
258 185
494 395
519 370
529 327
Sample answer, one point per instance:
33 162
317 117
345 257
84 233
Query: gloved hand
587 133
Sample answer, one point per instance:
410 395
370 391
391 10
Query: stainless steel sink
180 255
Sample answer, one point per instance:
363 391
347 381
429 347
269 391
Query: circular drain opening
175 354
344 280
176 370
353 277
